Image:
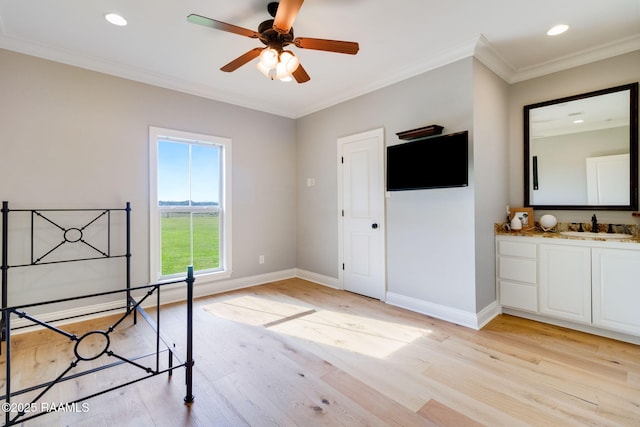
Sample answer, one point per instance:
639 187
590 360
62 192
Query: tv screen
437 162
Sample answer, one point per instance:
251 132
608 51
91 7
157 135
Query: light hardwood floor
293 353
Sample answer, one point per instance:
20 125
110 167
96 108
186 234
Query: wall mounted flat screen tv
437 162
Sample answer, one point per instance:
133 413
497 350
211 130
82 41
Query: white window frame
156 134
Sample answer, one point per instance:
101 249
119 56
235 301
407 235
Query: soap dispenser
516 223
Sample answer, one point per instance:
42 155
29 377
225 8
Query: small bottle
516 224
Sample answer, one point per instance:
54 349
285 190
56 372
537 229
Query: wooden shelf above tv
420 132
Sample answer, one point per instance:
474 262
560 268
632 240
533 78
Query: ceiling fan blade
337 46
241 60
286 14
219 25
300 74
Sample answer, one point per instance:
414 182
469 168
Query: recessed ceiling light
578 121
558 29
115 19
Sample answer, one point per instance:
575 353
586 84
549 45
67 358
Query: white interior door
361 201
607 180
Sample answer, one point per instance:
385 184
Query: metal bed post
6 330
5 263
189 362
129 303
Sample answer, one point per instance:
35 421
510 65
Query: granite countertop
502 229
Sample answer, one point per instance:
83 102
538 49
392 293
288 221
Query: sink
590 235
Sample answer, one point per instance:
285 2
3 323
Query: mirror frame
633 149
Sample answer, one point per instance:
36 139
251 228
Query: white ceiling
397 40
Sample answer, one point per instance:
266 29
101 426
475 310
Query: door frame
374 133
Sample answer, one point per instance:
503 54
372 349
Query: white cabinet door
616 289
565 282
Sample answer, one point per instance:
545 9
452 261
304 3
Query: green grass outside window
176 242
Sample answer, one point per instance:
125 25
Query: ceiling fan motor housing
269 36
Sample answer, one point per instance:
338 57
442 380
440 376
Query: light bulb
281 71
290 60
268 73
264 70
269 58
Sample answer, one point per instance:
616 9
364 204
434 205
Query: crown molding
478 47
489 56
111 68
447 56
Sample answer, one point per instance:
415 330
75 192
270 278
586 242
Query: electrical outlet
261 259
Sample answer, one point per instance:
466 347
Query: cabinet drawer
518 269
517 249
518 295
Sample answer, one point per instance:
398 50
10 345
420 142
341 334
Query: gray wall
430 233
440 243
491 174
610 72
76 138
72 138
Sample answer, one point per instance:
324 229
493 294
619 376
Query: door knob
374 225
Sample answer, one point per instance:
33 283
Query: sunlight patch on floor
358 334
255 311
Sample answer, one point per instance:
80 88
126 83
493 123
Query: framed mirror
581 152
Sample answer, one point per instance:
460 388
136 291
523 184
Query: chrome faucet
594 224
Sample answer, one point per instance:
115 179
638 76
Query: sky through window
178 162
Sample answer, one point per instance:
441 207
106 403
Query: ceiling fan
276 62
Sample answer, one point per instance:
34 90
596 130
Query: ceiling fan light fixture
268 73
277 66
115 19
269 58
290 60
281 72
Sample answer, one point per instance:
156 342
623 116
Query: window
190 205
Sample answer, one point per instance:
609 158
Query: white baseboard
443 312
72 315
320 279
205 288
488 313
620 336
168 294
176 293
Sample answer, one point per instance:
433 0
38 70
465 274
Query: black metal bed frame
17 413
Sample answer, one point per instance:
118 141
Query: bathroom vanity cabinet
565 281
589 283
517 273
615 287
